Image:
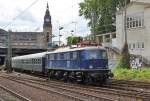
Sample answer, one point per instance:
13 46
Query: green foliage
73 40
125 58
142 74
101 14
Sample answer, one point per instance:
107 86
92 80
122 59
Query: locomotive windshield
94 54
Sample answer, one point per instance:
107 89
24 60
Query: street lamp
60 28
75 23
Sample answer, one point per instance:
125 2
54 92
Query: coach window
32 61
26 61
36 61
39 61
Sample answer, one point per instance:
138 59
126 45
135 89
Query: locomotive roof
68 49
36 55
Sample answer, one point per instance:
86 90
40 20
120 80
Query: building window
133 45
129 46
135 21
138 45
142 44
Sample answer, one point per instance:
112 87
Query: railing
114 49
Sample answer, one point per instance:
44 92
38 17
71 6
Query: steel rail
14 93
65 89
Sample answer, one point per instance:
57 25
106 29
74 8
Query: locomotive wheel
79 78
72 77
65 76
59 75
51 74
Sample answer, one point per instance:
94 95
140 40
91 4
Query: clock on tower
47 18
47 26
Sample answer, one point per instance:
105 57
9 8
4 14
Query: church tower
47 26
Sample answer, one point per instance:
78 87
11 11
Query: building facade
138 27
30 40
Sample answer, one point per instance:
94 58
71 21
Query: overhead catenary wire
32 4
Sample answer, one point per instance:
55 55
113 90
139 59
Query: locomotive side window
67 56
51 56
55 56
61 56
104 54
94 54
73 55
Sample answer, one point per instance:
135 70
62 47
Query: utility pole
125 21
125 58
9 53
93 19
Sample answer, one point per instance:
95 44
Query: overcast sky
63 13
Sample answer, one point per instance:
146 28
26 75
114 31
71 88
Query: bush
142 74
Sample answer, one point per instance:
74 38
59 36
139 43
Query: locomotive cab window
94 54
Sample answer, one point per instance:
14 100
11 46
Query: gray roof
2 31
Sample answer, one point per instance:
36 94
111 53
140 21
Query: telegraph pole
125 57
9 53
125 22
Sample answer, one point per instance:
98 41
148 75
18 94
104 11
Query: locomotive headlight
91 67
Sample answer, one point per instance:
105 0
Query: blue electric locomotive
87 64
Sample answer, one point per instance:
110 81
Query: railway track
128 83
22 98
96 91
69 93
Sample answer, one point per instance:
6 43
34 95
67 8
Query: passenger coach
32 62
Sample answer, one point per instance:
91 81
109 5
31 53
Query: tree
104 12
73 40
101 14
